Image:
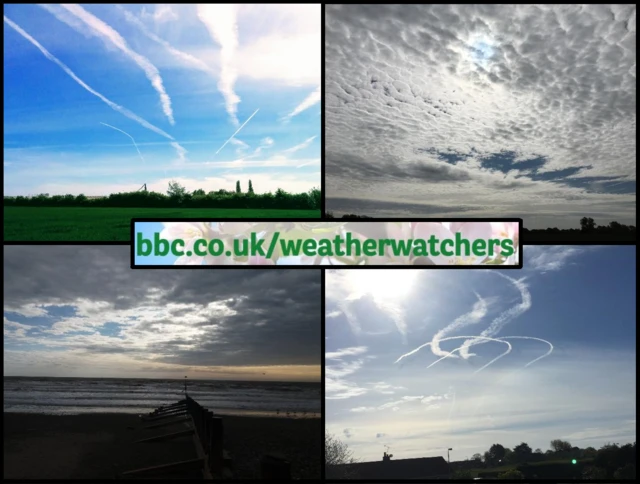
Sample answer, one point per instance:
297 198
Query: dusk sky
81 311
482 110
578 301
80 81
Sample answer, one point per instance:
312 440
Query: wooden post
275 468
162 417
167 436
216 447
162 469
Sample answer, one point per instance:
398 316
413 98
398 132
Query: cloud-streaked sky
579 300
80 81
482 110
82 311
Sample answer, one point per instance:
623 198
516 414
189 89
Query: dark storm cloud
542 92
230 317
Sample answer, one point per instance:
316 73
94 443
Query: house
420 468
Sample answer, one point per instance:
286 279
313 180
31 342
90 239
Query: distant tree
477 457
494 455
522 452
561 445
250 187
199 191
336 453
587 224
176 190
238 189
589 452
511 474
537 451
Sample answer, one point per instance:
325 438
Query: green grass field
80 224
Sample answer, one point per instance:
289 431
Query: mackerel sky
81 80
482 110
578 299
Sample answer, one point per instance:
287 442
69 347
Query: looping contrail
238 130
484 338
124 132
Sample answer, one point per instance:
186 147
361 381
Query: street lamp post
449 462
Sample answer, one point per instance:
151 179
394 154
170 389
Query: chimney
386 457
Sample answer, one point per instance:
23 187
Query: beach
99 445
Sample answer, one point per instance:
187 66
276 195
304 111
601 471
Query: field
81 224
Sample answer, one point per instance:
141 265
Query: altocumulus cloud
88 302
520 110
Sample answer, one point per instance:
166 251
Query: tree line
589 226
178 196
610 461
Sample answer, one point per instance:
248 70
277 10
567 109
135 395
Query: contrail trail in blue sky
238 130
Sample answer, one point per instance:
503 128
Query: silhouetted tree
250 187
558 445
587 224
494 455
176 191
238 189
336 453
522 452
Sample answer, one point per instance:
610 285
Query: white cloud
310 100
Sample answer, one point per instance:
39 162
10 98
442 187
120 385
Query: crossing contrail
509 347
238 130
504 318
478 312
124 132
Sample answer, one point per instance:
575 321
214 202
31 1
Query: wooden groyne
207 431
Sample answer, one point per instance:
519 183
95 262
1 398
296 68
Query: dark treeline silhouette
346 215
562 460
588 226
178 197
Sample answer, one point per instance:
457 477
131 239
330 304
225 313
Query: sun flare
384 284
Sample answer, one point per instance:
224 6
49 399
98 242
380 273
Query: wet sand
96 446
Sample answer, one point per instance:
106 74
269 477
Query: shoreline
97 445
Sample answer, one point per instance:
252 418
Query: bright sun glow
383 284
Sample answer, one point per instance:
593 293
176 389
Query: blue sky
180 80
580 300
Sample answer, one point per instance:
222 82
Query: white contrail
124 132
498 323
111 104
238 130
461 337
106 32
313 98
478 312
221 22
188 58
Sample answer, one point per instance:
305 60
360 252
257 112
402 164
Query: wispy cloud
550 258
221 22
301 146
189 59
309 101
107 33
354 350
